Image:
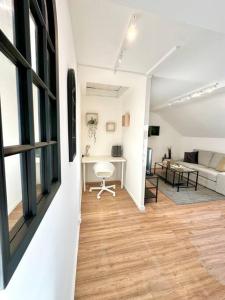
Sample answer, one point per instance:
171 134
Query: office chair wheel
114 195
98 197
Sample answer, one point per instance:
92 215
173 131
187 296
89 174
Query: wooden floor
169 252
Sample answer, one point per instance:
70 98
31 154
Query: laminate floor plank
170 252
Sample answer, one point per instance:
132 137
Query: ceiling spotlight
132 33
129 37
197 94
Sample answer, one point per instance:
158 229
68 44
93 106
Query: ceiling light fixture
132 30
129 38
162 59
198 93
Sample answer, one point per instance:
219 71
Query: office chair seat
103 170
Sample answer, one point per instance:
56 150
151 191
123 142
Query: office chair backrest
104 169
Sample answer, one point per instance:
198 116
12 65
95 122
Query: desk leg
122 174
84 179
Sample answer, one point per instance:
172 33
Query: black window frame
13 244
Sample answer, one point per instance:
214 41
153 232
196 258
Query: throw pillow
191 157
221 165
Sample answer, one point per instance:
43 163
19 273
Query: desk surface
94 159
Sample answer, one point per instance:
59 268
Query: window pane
34 43
38 161
9 102
36 109
7 18
13 189
53 121
51 71
54 163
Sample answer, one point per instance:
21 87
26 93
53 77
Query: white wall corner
140 207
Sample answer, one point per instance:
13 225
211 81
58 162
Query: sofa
208 175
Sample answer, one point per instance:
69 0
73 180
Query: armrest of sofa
220 183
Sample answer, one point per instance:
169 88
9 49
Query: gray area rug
189 196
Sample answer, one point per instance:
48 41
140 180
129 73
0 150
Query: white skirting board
140 207
76 256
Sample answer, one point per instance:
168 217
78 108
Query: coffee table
177 175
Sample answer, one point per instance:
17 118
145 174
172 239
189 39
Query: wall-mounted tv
153 130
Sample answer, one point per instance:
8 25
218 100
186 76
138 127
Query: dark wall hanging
71 90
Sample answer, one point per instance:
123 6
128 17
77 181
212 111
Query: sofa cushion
191 157
217 157
205 172
204 157
221 165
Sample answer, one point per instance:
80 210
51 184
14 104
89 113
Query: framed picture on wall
71 90
92 119
110 126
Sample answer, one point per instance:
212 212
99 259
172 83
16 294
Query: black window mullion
27 121
45 117
47 152
22 26
4 225
30 157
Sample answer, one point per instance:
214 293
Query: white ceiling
198 26
100 26
208 14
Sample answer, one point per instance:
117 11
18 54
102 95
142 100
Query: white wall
47 269
109 110
133 136
134 103
168 137
213 144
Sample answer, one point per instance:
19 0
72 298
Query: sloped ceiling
201 118
208 14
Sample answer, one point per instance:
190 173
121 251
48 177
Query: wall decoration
92 123
110 126
71 91
126 120
87 148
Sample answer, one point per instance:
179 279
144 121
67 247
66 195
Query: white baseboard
76 256
140 207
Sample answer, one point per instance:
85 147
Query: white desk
94 159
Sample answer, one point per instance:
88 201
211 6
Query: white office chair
103 170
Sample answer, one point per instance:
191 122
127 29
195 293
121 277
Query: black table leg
174 173
178 186
156 193
188 178
166 175
154 168
196 183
